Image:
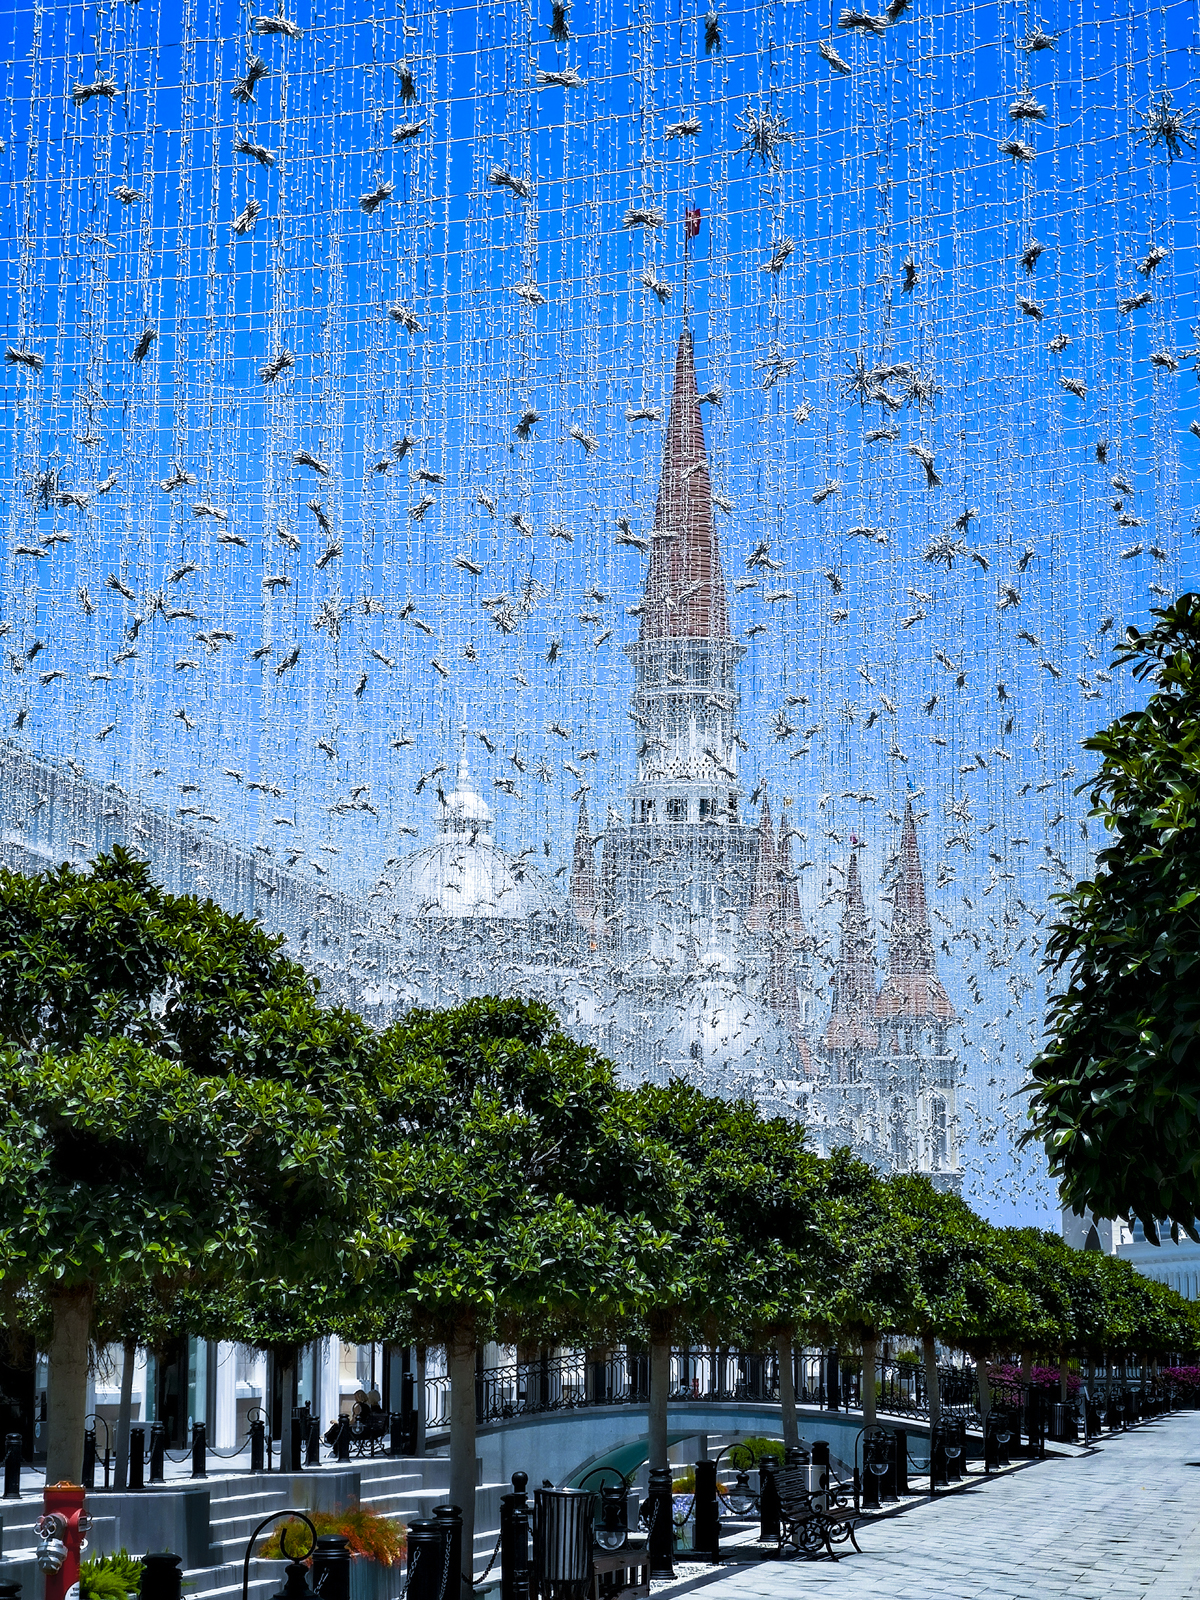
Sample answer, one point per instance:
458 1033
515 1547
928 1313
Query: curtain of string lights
339 350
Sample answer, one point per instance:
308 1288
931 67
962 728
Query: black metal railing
572 1380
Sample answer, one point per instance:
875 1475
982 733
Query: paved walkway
1122 1523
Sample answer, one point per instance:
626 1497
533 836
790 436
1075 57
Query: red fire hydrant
62 1530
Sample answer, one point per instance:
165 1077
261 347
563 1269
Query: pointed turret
764 897
912 990
685 594
852 1028
791 919
583 870
789 940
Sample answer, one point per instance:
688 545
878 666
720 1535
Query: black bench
367 1429
813 1521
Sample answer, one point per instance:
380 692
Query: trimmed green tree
522 1187
178 1108
1116 1091
745 1252
870 1282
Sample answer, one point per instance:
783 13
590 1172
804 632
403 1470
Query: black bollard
514 1539
10 1591
137 1458
408 1412
12 1466
199 1450
707 1526
341 1441
832 1389
424 1561
660 1545
293 1455
899 1475
1004 1428
449 1519
331 1567
874 1467
768 1499
258 1444
517 1587
158 1448
956 1449
89 1458
938 1476
312 1455
396 1431
162 1576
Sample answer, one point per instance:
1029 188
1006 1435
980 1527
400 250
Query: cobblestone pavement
1117 1524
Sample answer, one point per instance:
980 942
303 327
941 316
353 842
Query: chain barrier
476 1582
412 1568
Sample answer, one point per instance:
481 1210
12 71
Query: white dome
465 811
460 877
463 873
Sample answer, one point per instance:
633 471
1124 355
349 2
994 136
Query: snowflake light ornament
1170 126
763 132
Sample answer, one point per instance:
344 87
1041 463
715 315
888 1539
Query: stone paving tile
1122 1523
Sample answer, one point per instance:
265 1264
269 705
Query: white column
331 1357
225 1408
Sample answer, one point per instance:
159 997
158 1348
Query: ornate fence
569 1380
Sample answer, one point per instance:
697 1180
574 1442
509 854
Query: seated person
358 1407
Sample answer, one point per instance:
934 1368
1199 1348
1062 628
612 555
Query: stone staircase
208 1521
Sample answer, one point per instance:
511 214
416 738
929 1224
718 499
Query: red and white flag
691 224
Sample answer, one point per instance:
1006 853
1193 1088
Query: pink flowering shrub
1187 1378
1007 1384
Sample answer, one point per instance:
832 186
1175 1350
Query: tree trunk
985 1388
1026 1368
419 1398
870 1349
660 1384
1062 1377
933 1391
125 1414
66 1385
460 1359
787 1391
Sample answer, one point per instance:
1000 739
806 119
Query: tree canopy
1116 1090
177 1110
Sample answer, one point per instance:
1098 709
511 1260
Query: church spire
851 1025
788 942
764 895
912 990
685 594
583 870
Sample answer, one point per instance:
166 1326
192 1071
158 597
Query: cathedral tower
677 875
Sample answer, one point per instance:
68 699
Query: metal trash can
818 1474
562 1543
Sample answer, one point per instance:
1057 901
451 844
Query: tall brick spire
685 587
912 990
851 1025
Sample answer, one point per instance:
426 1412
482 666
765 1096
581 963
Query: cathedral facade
680 947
